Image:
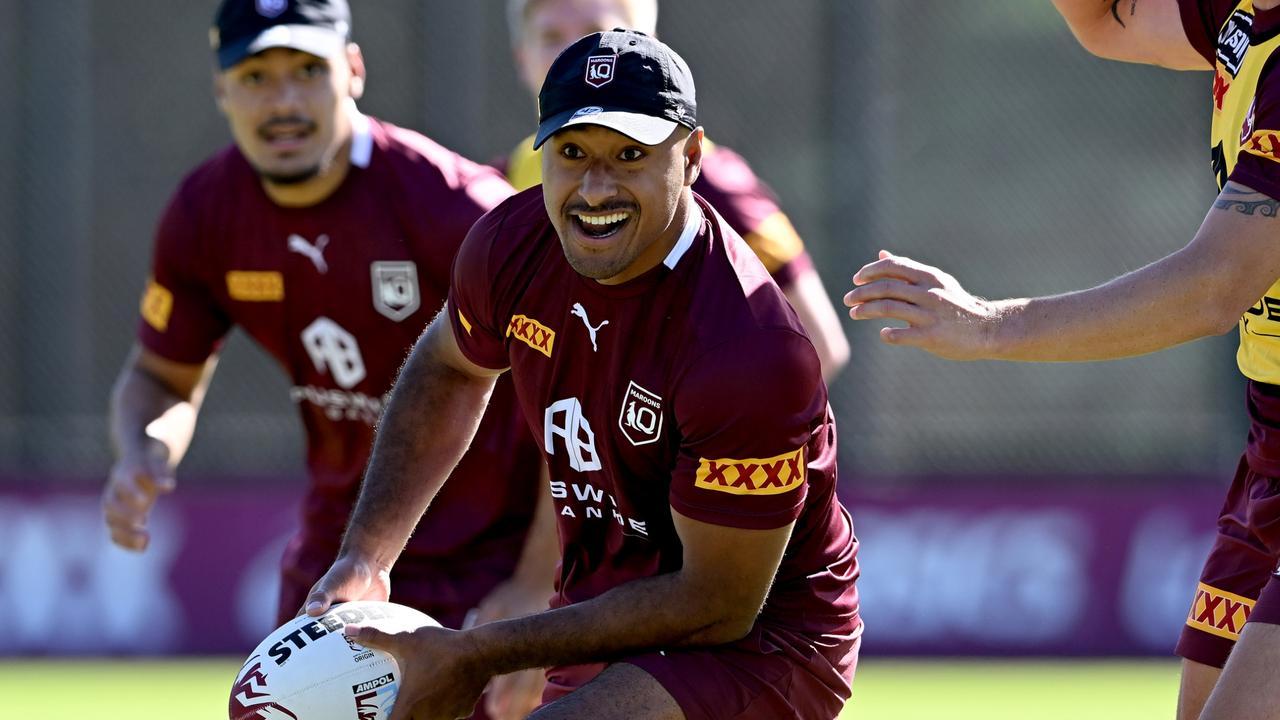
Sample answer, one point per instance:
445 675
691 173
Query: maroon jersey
691 387
337 293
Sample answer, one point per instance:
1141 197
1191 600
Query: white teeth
604 219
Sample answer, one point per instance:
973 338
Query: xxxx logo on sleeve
1263 143
1219 612
157 305
532 333
753 476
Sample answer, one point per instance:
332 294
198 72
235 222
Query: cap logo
271 8
600 70
589 110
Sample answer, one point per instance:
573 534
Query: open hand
134 485
941 316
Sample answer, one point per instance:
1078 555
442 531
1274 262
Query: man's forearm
1156 307
143 410
645 614
428 424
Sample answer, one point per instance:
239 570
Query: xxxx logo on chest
532 333
752 476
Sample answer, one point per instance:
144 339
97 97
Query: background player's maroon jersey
337 293
691 387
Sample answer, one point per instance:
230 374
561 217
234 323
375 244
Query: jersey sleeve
1201 20
1258 164
471 306
746 413
470 191
749 206
181 319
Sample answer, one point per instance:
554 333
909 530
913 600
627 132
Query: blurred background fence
976 135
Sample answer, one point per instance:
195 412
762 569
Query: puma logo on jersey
581 312
315 253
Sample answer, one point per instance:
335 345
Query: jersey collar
361 137
691 225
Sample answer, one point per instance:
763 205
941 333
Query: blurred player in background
327 236
540 29
707 568
1226 277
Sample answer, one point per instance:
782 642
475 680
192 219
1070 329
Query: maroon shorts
1238 582
771 674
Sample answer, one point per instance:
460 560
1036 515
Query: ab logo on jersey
753 476
641 417
600 70
334 349
395 288
1219 612
564 418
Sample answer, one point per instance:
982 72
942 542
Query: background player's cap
623 80
245 27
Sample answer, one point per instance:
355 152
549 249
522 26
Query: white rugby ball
309 670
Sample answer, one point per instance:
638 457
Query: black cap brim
319 41
644 129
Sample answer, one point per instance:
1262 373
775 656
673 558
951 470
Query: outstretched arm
433 413
153 415
712 599
1200 290
1139 31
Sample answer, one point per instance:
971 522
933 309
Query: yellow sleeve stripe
752 476
1264 143
156 305
775 241
1219 612
524 165
466 324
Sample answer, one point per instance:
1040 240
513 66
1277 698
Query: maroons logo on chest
640 418
395 288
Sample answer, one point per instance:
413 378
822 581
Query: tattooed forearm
1247 203
1115 12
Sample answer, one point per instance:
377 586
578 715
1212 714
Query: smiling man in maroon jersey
541 29
328 237
707 568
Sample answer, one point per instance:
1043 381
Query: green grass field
957 690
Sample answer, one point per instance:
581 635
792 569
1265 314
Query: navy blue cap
624 80
247 27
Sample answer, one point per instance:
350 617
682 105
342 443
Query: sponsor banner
953 567
207 584
949 567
